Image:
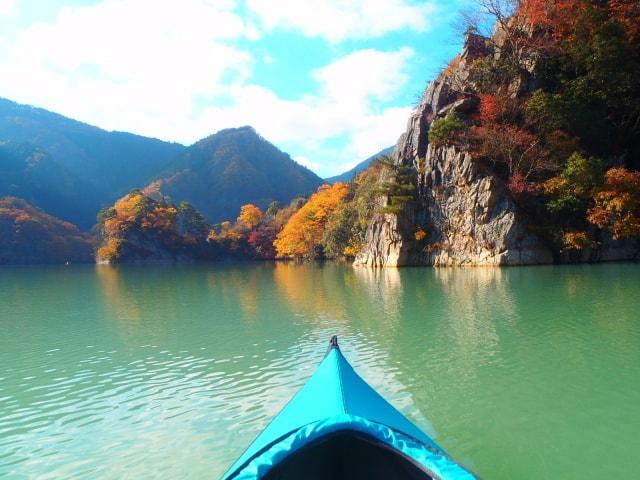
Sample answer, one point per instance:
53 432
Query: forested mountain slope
233 167
104 165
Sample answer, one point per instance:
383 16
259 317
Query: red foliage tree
627 13
261 240
488 110
518 185
535 12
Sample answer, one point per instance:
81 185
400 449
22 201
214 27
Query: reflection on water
156 372
384 288
479 296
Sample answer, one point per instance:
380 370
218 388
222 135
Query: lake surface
169 372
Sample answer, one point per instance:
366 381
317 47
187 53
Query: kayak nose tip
333 342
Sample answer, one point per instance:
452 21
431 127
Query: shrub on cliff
489 73
567 197
398 185
446 130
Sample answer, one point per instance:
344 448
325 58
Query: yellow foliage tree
577 241
250 216
303 232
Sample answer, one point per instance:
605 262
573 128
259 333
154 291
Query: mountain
103 165
31 173
72 169
361 167
29 235
233 167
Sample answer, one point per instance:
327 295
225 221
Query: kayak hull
337 426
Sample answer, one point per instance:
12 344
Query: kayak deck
337 427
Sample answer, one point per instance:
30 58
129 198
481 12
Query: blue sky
328 81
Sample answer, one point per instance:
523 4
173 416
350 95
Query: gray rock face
471 220
468 214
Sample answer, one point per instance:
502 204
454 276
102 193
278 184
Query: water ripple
162 391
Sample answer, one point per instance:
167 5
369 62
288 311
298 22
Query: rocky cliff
467 212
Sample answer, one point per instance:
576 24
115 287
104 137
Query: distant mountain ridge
73 169
104 165
29 172
230 168
361 167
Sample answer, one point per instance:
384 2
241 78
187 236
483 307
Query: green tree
445 130
339 230
572 190
273 208
191 222
399 185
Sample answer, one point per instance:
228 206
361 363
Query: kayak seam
361 426
342 392
264 449
368 437
433 449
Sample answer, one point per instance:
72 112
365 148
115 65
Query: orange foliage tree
577 240
137 225
535 12
617 204
250 216
303 232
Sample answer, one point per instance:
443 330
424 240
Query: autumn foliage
344 233
488 109
140 228
303 232
250 216
577 240
617 204
252 235
29 235
627 13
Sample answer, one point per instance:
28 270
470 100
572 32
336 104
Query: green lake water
169 372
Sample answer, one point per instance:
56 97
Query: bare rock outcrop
471 220
466 211
470 217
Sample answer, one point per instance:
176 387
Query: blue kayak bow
336 427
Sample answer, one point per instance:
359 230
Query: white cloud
6 7
134 64
337 20
346 106
315 166
178 74
365 73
